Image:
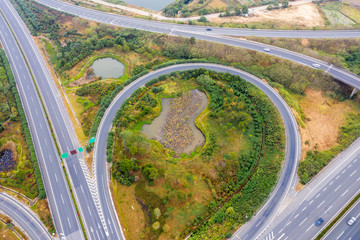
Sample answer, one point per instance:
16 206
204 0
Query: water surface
156 5
108 68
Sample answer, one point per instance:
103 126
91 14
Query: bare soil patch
325 116
306 15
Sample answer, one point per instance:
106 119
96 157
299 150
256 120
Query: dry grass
129 210
325 116
306 15
6 234
217 4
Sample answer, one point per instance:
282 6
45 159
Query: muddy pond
108 68
7 162
175 126
156 5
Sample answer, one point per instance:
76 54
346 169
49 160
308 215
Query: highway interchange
66 138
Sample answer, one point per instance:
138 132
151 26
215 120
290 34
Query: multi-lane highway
67 224
97 222
58 194
23 218
342 230
215 36
324 197
219 35
292 141
163 27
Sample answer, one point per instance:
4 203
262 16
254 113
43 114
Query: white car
315 65
267 49
351 221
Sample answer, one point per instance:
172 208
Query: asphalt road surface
58 194
163 27
292 140
323 198
67 225
344 231
183 30
23 218
218 35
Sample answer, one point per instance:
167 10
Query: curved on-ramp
23 217
293 143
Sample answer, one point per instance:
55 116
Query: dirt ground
6 233
306 15
217 4
325 116
355 3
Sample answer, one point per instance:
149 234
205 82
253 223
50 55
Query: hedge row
24 125
109 146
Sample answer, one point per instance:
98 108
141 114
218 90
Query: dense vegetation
341 52
11 112
241 111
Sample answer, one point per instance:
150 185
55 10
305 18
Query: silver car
351 221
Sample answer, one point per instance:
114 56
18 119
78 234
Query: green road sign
92 140
80 149
64 155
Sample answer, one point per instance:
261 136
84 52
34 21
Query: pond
155 5
7 162
175 126
108 68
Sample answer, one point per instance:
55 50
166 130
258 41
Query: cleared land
306 15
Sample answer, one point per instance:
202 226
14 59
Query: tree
202 19
126 165
245 10
237 11
157 213
192 40
166 228
285 4
156 225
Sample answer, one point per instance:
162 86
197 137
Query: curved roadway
23 217
293 143
201 33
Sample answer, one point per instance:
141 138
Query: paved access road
323 198
292 140
67 223
23 218
58 194
342 230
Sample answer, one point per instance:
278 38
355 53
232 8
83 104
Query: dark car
208 29
319 222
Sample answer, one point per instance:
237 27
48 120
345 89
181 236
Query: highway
67 225
214 36
323 197
58 195
341 230
67 139
23 217
163 27
293 143
220 35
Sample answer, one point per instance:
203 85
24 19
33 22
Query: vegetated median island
217 187
19 169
